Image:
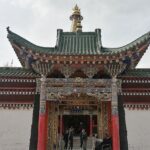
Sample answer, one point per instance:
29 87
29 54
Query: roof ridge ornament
76 19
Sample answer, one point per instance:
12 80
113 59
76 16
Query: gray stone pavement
76 143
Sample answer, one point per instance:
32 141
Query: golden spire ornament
76 19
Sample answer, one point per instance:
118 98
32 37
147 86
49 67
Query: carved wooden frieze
57 87
67 70
42 68
90 71
52 140
115 69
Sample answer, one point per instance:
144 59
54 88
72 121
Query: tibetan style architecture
77 83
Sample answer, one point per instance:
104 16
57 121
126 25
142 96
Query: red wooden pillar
42 132
115 117
115 133
42 117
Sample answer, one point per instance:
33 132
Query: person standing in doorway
84 139
66 134
81 139
70 138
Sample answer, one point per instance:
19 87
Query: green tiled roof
16 72
14 38
68 43
142 39
137 73
77 43
22 72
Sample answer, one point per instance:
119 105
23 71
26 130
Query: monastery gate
79 83
76 101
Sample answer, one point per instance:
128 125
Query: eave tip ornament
76 19
8 30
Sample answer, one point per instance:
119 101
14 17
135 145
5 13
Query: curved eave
134 50
19 43
18 40
131 46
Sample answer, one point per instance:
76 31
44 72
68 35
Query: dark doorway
77 122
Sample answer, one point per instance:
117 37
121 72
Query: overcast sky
37 21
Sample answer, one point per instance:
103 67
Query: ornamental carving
115 69
52 142
67 71
90 71
104 97
42 68
53 96
78 85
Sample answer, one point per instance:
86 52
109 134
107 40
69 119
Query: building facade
78 83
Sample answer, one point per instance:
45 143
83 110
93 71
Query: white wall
138 127
15 127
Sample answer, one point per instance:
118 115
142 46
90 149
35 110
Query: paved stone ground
76 143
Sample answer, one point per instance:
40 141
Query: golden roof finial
76 9
76 19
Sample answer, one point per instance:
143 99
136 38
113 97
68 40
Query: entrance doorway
77 122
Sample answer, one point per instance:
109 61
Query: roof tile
137 73
16 72
77 43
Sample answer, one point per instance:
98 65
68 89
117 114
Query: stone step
76 143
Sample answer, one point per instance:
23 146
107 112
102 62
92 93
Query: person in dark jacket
84 139
98 143
70 138
66 134
107 141
81 139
